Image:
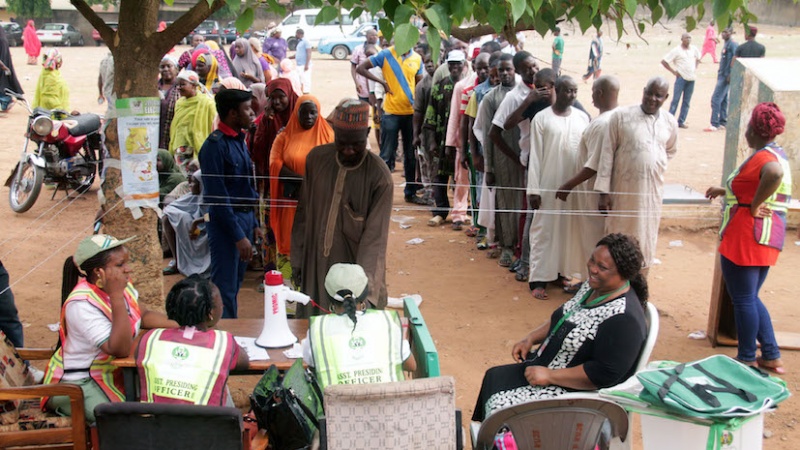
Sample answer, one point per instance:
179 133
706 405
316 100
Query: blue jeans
392 126
9 319
685 88
719 103
752 318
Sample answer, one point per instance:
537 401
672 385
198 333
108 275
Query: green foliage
30 8
504 16
229 11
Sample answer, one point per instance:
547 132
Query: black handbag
288 407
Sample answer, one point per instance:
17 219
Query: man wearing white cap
443 158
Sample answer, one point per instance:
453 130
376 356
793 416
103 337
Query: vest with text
185 365
370 353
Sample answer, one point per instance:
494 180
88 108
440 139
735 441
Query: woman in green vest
190 364
757 196
100 316
355 344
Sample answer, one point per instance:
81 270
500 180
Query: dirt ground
474 308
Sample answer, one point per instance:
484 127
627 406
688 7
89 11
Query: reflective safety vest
372 353
102 371
769 231
184 365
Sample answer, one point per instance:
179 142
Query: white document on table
254 352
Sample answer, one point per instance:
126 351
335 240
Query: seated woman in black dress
590 342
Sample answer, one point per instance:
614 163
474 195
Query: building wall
775 12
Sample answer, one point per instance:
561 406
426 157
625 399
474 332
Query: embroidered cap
343 279
350 114
96 244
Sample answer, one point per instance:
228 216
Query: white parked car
59 34
305 18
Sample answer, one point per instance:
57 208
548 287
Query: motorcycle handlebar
11 93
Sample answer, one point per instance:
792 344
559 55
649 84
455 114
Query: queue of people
556 186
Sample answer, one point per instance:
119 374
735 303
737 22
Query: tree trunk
138 48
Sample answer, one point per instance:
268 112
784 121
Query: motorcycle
68 154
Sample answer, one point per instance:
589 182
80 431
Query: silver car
60 34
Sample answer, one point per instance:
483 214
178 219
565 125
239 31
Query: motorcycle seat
83 124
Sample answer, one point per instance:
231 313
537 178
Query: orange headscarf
290 149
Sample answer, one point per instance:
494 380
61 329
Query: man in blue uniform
229 192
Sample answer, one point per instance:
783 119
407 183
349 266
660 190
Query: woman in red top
752 233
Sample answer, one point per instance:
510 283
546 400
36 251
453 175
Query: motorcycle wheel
25 188
82 184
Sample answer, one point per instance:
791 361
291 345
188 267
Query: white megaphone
276 333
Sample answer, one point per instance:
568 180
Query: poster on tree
137 126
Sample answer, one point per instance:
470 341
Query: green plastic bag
717 388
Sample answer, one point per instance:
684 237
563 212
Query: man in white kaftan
588 226
555 135
630 173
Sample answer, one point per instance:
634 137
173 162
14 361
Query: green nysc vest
769 231
370 353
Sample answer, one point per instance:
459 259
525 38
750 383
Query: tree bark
137 49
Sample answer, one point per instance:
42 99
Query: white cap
456 56
346 277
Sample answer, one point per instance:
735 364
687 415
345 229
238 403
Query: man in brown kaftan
343 212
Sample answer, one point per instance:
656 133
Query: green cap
346 277
96 244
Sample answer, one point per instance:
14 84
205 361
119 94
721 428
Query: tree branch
186 24
465 34
106 32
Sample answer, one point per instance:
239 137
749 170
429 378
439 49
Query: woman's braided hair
628 258
190 301
767 121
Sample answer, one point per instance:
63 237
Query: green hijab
170 175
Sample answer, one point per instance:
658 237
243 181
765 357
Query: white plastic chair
653 322
559 423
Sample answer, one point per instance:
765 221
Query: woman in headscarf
289 71
8 78
169 175
168 90
287 167
266 61
207 68
275 45
246 63
281 100
194 119
277 107
225 66
757 196
229 83
31 43
184 231
52 91
259 91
